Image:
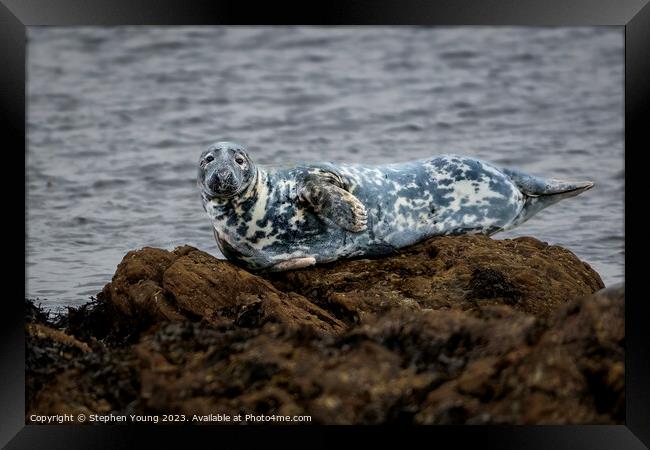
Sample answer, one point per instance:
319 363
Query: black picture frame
633 15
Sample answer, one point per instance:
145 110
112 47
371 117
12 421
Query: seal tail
541 193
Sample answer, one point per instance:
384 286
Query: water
117 118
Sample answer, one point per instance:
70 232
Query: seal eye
239 160
209 158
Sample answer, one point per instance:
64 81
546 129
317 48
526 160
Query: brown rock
569 374
191 284
40 331
456 330
460 272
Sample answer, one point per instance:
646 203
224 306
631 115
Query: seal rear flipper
335 203
541 193
535 186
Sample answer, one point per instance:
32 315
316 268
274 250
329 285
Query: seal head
225 170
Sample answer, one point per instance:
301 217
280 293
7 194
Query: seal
281 218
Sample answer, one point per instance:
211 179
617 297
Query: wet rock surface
455 330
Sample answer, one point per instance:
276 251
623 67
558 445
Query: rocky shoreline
455 330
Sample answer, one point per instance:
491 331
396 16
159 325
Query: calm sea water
117 118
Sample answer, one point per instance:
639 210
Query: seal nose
226 177
221 179
224 174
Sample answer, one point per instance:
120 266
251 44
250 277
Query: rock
48 351
571 373
459 272
456 330
152 285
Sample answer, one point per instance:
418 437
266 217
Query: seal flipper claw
335 204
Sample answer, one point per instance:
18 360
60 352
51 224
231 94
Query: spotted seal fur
291 217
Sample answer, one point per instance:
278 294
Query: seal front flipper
292 264
334 203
